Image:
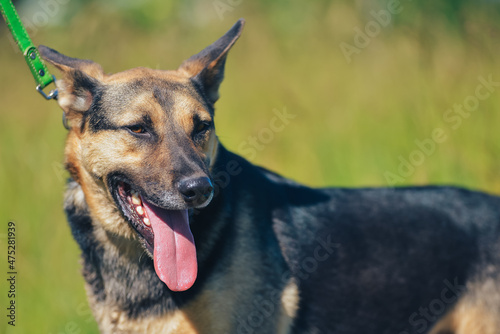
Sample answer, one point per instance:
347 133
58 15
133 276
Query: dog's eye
202 127
136 128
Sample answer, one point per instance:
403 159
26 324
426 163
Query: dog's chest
211 312
117 322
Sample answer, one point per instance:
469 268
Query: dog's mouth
166 235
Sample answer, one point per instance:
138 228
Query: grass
352 121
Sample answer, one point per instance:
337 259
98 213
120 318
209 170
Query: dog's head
141 144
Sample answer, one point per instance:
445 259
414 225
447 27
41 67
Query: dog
179 235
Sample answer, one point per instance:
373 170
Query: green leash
38 69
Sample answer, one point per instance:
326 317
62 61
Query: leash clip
51 95
65 121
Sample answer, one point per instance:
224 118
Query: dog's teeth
146 222
135 198
139 210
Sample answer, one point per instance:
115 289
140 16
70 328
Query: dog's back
401 260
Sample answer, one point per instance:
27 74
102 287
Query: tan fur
114 321
71 103
467 320
97 198
191 68
468 317
289 307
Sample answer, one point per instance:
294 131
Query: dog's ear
207 67
79 83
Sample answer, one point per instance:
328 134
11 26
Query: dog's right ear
207 67
79 83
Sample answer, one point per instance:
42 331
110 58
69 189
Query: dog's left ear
79 82
207 67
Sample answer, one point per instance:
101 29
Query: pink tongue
174 249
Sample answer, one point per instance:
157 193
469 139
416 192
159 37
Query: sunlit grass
352 121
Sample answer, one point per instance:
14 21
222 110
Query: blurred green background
355 119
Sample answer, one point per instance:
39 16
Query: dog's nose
196 191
